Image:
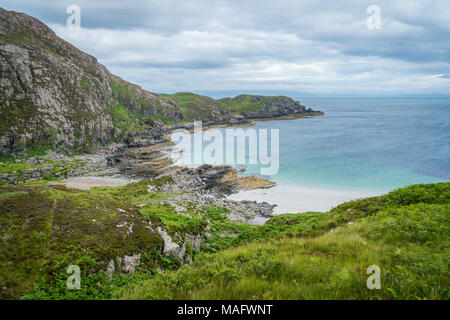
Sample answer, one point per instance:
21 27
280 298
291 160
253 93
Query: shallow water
363 144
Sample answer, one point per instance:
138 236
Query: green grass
150 205
12 194
193 106
198 107
46 228
405 233
123 119
127 105
84 83
10 165
243 103
94 286
316 255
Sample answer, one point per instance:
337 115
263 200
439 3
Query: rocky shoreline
141 158
56 97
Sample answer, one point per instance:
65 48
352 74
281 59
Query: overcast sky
317 47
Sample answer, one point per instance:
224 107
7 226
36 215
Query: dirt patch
85 183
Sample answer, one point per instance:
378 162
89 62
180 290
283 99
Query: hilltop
55 96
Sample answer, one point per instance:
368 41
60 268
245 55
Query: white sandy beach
291 199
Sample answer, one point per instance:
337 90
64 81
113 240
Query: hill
129 244
53 95
326 255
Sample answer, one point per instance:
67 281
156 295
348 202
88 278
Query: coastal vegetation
325 255
317 255
134 241
198 107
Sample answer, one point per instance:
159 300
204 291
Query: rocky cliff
51 92
53 95
244 106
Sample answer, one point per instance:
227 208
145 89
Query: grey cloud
182 64
256 44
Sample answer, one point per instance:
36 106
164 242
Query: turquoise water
365 144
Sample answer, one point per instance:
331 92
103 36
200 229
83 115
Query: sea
369 145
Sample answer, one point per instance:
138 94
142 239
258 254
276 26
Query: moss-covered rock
406 233
45 229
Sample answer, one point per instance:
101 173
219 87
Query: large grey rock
110 269
129 263
171 248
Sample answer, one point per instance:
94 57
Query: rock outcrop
180 249
126 264
53 95
238 110
44 229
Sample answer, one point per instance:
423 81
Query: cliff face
54 95
49 89
51 92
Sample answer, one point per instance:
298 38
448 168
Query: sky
314 48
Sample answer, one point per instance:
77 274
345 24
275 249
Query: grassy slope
46 228
406 233
243 103
193 106
198 107
294 256
130 102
